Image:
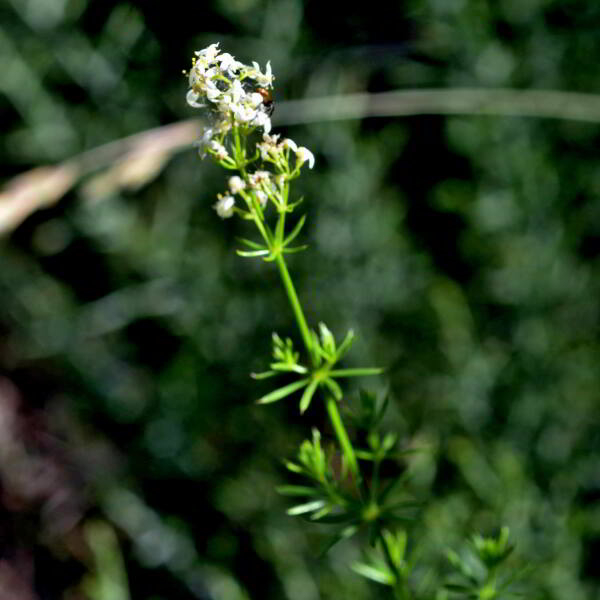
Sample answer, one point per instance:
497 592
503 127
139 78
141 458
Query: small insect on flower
268 102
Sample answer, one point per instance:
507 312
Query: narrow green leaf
252 253
344 534
389 441
334 388
345 345
294 204
282 392
390 486
256 205
293 467
453 557
378 574
295 250
321 513
364 454
316 353
297 490
396 543
253 158
286 367
250 244
307 395
356 372
323 354
347 517
517 574
381 411
302 509
263 375
327 340
295 231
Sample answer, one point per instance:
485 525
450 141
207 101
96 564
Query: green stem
342 436
296 307
263 229
238 148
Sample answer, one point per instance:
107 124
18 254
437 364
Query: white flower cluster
264 185
261 184
229 87
272 150
238 96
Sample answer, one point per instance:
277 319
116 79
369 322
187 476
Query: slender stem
342 436
238 148
280 229
264 230
296 307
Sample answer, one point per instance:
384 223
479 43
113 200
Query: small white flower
209 53
192 99
255 99
237 91
265 150
304 154
236 184
223 126
258 177
213 94
291 144
204 141
268 147
224 206
265 79
219 150
261 119
242 113
224 105
262 198
229 64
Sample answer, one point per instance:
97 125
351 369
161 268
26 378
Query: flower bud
236 184
224 206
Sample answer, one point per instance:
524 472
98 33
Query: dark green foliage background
463 251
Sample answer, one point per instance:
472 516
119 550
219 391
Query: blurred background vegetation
463 249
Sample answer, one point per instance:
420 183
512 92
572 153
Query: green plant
341 486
